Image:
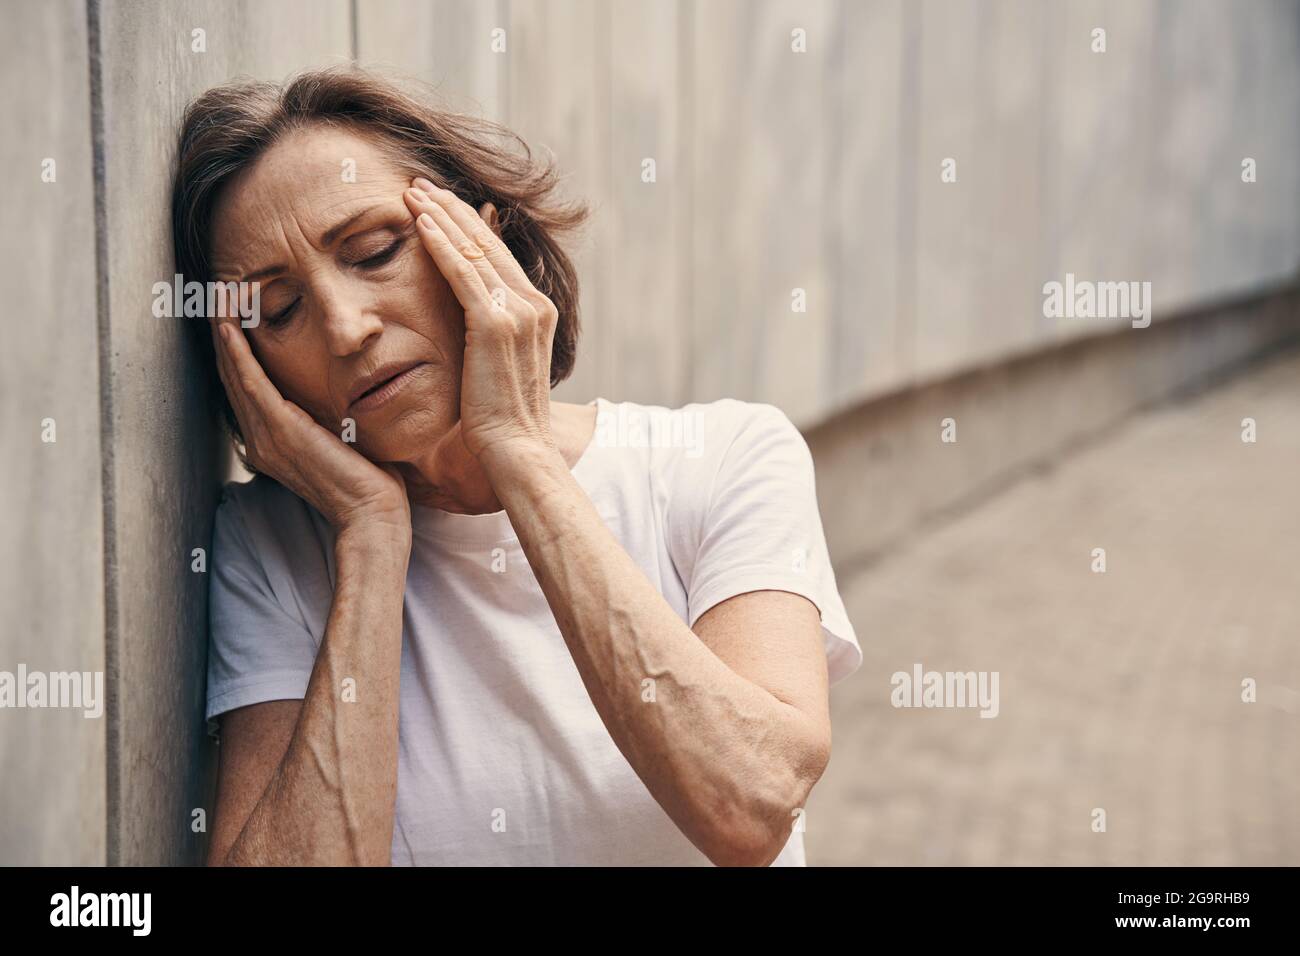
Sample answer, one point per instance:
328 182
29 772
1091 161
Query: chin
403 434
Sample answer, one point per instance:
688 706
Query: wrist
509 463
374 539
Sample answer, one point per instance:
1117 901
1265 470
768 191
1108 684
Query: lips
382 384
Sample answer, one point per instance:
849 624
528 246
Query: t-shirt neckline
495 527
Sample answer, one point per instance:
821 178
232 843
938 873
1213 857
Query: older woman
454 621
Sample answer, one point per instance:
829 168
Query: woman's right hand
285 443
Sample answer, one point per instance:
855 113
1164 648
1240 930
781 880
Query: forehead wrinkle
313 222
292 212
271 236
355 200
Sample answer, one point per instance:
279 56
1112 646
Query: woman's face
348 295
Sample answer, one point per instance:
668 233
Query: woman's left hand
509 325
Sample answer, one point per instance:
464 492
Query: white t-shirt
503 759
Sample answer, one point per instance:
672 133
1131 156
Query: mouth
382 385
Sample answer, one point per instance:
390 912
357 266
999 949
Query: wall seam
685 28
836 359
112 782
911 96
354 26
503 73
609 354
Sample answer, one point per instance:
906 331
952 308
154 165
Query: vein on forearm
330 797
713 742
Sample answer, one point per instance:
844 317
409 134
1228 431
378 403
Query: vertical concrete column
165 459
52 759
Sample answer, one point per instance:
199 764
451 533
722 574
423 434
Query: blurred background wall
796 243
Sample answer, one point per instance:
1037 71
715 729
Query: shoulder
263 519
258 499
700 438
703 461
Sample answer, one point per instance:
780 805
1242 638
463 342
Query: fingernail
224 331
427 186
425 220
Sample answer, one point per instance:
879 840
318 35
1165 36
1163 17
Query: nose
349 321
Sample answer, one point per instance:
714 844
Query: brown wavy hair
229 127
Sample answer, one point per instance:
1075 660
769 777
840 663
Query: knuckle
545 308
496 322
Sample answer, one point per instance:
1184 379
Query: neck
450 478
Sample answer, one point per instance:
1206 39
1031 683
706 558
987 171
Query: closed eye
370 262
283 315
380 258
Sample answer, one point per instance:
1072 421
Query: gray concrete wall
821 171
98 575
885 472
776 170
52 762
165 464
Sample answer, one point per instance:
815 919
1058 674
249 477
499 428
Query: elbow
752 839
216 857
754 831
746 848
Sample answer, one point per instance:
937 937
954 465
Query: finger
224 369
474 229
420 201
426 200
473 253
217 352
250 421
462 275
247 373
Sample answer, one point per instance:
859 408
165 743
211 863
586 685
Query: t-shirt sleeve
257 650
760 529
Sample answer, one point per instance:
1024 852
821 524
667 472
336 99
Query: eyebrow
327 239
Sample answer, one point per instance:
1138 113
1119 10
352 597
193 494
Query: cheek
297 374
425 300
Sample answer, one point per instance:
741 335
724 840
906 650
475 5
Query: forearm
725 759
331 800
